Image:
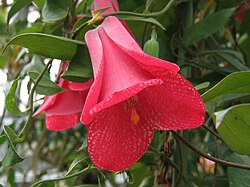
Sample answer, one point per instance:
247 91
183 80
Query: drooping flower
132 95
112 6
63 110
100 4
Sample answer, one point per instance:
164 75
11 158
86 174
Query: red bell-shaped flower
132 95
63 110
112 6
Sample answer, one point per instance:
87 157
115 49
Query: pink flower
132 95
63 110
100 4
114 7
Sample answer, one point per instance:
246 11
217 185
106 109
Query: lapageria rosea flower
112 6
132 95
63 110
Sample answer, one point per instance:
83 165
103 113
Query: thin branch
31 97
212 132
209 157
163 11
180 172
64 177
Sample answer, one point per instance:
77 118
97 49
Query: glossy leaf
11 135
2 61
55 10
79 69
75 162
10 102
2 139
238 82
202 85
47 184
147 20
45 86
17 6
39 3
238 177
207 26
234 58
12 157
233 125
56 47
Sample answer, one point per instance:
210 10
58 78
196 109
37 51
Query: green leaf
233 125
17 6
11 135
130 175
47 184
12 157
207 26
88 185
238 177
39 3
55 10
202 85
74 164
79 70
45 86
56 47
2 139
2 61
11 103
238 82
234 58
84 145
148 20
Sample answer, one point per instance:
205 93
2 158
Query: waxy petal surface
128 45
114 142
62 122
174 105
67 102
100 4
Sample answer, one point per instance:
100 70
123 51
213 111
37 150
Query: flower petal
96 54
173 105
48 101
79 86
100 4
115 30
108 72
67 102
62 122
114 142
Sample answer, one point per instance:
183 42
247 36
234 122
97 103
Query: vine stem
154 14
31 97
209 157
65 177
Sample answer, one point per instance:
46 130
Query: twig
180 172
64 177
31 98
164 10
209 157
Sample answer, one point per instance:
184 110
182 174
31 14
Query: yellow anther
135 118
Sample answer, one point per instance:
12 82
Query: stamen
135 118
130 106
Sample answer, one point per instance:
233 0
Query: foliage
203 37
